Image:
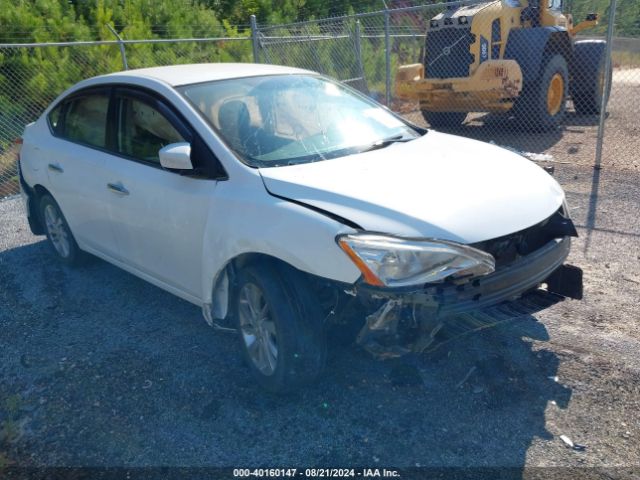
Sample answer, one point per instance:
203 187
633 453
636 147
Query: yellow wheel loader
516 56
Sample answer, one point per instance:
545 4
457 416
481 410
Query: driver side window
555 5
143 130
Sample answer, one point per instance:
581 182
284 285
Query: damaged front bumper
381 333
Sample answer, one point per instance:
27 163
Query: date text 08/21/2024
314 472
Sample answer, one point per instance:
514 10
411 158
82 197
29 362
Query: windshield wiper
385 142
319 156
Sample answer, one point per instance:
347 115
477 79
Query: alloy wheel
57 231
555 94
258 329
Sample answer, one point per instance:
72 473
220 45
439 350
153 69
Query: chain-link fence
622 135
330 47
32 76
489 71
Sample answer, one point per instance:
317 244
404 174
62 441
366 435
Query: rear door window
55 119
85 120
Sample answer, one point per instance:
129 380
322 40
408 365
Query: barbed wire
101 33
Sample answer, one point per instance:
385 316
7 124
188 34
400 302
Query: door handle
54 167
117 188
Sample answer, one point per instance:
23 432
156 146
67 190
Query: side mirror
176 156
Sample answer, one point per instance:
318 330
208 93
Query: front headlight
398 262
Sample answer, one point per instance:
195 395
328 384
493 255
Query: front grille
519 244
447 52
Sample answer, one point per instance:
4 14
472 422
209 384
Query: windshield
286 119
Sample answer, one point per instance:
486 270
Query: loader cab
551 14
544 13
555 5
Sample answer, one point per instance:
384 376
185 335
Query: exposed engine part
398 327
379 334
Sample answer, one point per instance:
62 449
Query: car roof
176 75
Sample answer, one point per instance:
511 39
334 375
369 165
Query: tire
280 326
542 105
589 76
59 235
445 120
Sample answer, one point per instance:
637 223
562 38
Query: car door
158 216
74 156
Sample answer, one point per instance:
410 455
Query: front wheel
58 232
280 326
542 105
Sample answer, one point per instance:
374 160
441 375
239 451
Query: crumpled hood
439 186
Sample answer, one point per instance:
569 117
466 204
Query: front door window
144 131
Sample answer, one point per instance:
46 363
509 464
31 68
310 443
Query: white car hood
439 186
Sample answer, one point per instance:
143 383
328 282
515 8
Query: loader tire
542 105
444 120
589 77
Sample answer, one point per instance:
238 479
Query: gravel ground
99 368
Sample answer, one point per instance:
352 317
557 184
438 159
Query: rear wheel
58 232
542 105
589 77
444 120
280 326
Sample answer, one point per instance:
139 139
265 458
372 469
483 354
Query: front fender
245 222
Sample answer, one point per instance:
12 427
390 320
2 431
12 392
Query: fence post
316 58
358 47
607 82
387 59
254 39
123 53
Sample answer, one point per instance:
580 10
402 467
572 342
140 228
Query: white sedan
279 200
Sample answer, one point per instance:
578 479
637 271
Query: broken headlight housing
398 262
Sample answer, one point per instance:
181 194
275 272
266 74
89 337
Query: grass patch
625 59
